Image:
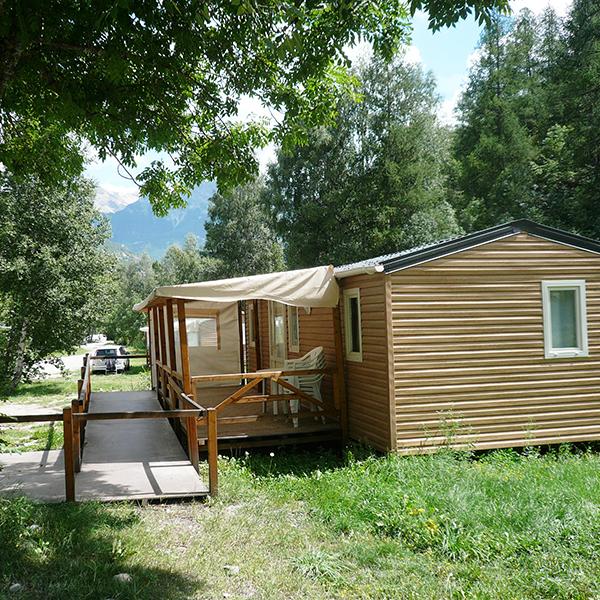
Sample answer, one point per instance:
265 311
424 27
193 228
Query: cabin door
277 346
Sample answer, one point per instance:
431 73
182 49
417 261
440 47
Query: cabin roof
389 263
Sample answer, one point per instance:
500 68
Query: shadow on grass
74 551
299 461
44 388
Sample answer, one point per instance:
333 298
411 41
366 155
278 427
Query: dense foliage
132 76
311 525
132 280
373 183
52 271
528 143
239 236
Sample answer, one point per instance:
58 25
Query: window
352 325
565 319
293 329
250 316
202 332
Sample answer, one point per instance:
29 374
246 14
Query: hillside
136 229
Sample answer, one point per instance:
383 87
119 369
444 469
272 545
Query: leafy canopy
239 236
130 76
528 142
53 271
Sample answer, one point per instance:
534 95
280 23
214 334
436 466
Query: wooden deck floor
122 460
261 428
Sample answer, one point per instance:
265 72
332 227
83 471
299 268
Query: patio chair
309 384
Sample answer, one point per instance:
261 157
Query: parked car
114 360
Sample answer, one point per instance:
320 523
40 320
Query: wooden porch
241 409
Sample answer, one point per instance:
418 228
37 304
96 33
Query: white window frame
293 345
350 354
582 348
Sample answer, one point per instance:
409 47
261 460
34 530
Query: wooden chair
309 384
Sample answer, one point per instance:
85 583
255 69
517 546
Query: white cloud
538 6
446 112
413 56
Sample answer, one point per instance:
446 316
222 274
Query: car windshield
106 352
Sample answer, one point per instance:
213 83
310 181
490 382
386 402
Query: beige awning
305 287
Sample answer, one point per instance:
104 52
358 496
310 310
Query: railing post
89 379
68 455
192 438
213 472
75 425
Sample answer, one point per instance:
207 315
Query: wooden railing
180 408
77 416
243 396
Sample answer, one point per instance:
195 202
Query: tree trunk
20 357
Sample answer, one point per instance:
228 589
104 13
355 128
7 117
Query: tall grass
500 525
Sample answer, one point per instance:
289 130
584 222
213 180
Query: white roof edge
371 270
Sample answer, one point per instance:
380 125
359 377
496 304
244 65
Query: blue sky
447 54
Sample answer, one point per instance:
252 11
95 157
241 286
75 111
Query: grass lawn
314 525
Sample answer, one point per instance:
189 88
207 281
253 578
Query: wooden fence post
76 427
192 438
89 381
68 455
213 472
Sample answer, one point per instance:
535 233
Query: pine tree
372 184
496 141
581 89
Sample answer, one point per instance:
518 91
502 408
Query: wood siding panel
368 383
468 349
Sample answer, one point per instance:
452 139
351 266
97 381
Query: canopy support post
257 342
163 355
183 346
149 347
155 356
241 337
171 331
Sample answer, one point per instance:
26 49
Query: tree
133 278
580 87
496 141
238 234
129 77
372 184
186 264
52 271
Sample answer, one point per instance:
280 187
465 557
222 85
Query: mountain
109 202
136 229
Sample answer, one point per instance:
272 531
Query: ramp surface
37 475
125 459
133 458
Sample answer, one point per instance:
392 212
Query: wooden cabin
484 341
